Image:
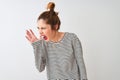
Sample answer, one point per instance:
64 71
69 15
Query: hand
31 36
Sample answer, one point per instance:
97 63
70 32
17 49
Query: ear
56 27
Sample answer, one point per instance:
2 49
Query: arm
40 55
39 50
79 57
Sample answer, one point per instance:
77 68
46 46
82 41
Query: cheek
47 32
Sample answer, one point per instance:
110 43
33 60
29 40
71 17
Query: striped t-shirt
63 60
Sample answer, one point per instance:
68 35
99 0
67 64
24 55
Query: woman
60 52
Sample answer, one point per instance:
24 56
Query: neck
55 37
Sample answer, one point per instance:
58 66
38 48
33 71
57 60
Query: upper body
60 52
63 59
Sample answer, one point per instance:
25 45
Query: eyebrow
41 27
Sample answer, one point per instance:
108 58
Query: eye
38 28
43 28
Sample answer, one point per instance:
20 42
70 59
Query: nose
40 31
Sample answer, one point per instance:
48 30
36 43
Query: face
44 29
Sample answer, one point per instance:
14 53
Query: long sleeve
40 55
79 57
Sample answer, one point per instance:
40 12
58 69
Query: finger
28 38
32 32
28 34
40 37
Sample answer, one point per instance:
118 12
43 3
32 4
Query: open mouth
44 37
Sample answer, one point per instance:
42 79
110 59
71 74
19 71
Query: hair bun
51 6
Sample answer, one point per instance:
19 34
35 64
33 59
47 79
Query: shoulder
71 35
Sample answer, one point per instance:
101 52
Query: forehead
41 22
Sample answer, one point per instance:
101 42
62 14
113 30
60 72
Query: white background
96 22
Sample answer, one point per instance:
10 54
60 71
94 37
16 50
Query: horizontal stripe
63 59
